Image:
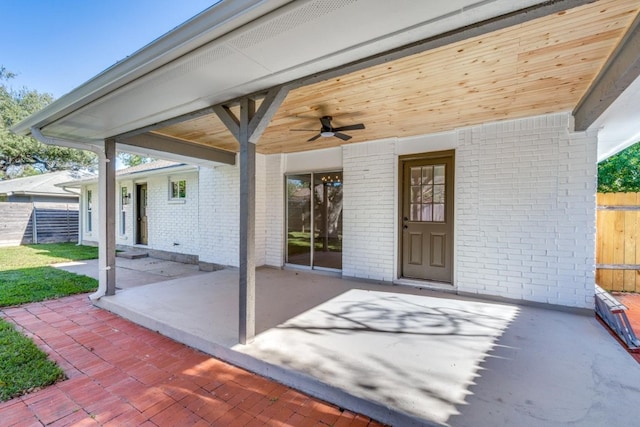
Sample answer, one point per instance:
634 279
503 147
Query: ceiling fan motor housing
326 130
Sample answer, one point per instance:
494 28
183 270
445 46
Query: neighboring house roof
144 169
43 184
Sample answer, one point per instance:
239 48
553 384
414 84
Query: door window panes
427 198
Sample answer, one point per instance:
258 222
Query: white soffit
296 40
619 126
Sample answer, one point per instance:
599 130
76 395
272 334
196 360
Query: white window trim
170 190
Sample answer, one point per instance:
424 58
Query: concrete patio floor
401 355
121 374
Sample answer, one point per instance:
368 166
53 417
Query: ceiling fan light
326 134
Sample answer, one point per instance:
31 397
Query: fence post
68 222
35 223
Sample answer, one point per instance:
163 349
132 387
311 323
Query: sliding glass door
314 220
299 219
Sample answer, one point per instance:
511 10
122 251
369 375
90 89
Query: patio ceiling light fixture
329 179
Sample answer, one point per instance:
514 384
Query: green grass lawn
26 276
23 366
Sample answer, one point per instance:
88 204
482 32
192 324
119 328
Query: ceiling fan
328 131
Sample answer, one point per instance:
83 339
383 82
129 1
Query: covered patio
516 100
404 356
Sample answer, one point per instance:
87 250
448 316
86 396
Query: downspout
102 202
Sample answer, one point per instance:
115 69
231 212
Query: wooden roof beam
621 69
167 144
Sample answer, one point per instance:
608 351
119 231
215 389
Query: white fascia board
39 193
212 23
169 170
619 126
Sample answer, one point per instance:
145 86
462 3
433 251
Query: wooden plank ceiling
542 66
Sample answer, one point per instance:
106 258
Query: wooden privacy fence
618 241
27 223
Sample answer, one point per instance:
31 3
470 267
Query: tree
22 155
130 160
620 173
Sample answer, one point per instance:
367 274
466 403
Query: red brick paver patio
121 374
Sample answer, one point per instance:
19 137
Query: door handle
405 226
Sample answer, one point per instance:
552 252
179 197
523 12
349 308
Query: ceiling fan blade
342 136
326 122
349 127
314 138
303 130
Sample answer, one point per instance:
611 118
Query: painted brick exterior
262 208
219 213
274 210
525 211
369 210
172 225
525 217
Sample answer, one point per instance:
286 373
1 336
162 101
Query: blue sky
56 45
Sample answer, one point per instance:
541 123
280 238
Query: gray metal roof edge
212 23
179 167
40 193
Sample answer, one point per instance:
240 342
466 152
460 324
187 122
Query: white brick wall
219 213
525 216
172 225
274 210
168 221
369 210
262 207
525 209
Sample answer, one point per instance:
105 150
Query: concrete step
132 255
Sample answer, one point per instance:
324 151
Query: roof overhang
241 47
135 175
40 193
238 47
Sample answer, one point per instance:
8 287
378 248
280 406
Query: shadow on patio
401 355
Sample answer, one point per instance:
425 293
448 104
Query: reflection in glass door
315 240
327 225
299 219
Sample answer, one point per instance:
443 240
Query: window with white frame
125 197
89 210
177 189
